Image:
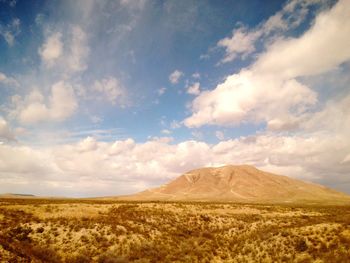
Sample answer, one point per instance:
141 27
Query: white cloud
39 19
165 131
196 75
78 50
220 135
322 48
5 131
87 145
243 40
66 50
194 89
249 97
33 109
175 124
96 119
175 76
62 101
204 57
317 157
8 80
268 91
33 113
133 4
24 161
197 134
346 159
334 118
241 43
118 147
111 89
161 91
51 49
10 31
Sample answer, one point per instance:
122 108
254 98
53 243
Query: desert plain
72 230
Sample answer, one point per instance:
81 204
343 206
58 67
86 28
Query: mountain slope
240 183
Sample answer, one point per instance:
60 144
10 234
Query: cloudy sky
113 97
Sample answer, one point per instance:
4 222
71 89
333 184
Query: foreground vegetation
33 230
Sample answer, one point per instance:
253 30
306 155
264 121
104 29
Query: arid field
38 230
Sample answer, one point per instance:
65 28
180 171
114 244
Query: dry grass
34 230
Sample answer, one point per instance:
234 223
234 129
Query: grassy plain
49 230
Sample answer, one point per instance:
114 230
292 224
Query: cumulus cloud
23 160
243 40
322 48
269 91
151 162
241 43
175 76
52 48
334 118
87 145
5 131
103 168
249 97
194 89
111 89
319 157
65 50
62 101
34 108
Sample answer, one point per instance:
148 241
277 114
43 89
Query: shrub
20 233
40 230
78 259
301 245
110 257
46 254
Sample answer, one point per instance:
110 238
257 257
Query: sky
101 98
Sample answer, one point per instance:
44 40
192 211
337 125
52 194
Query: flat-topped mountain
239 183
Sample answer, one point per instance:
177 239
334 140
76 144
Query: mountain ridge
238 183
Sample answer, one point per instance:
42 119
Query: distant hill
11 195
239 183
30 196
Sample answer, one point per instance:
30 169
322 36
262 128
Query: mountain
239 183
19 196
28 196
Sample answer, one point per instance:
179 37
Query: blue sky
112 97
